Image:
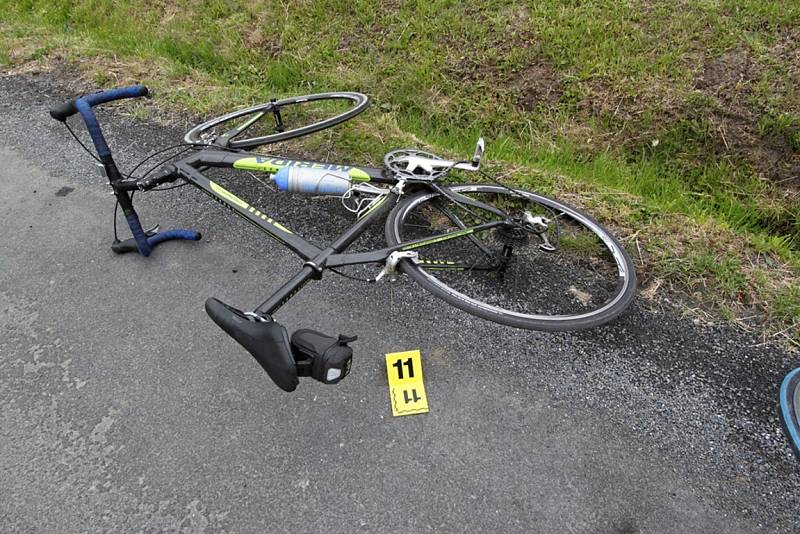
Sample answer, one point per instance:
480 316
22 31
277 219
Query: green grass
631 108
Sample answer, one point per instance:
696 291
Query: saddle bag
322 357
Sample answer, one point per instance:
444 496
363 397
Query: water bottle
312 181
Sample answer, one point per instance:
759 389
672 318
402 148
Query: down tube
270 226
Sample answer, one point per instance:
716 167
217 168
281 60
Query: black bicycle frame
316 259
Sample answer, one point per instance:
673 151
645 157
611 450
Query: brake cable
81 143
161 162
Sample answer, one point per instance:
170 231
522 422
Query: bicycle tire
435 276
790 409
203 134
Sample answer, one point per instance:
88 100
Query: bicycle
495 251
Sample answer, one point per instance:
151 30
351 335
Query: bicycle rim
790 408
272 122
504 273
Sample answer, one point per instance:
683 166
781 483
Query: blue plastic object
281 179
312 181
790 408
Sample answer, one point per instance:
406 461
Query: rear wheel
276 121
543 265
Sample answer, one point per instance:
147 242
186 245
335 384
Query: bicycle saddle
267 341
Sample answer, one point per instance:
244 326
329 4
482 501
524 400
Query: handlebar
153 239
84 105
62 112
141 241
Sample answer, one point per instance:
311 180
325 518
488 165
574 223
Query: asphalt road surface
124 408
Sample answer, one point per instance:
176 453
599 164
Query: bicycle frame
316 259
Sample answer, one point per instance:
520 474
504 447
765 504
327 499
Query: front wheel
522 259
278 120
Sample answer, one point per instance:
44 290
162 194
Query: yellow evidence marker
406 389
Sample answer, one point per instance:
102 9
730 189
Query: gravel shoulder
122 407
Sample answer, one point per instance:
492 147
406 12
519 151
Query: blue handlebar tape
115 94
94 128
84 106
188 235
138 234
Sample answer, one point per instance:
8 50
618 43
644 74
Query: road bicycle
489 248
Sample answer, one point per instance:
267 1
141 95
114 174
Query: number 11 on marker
406 387
399 365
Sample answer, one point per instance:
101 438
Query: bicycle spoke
458 222
230 134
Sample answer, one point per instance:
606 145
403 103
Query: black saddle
267 341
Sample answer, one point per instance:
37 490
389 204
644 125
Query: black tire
790 409
263 126
508 296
